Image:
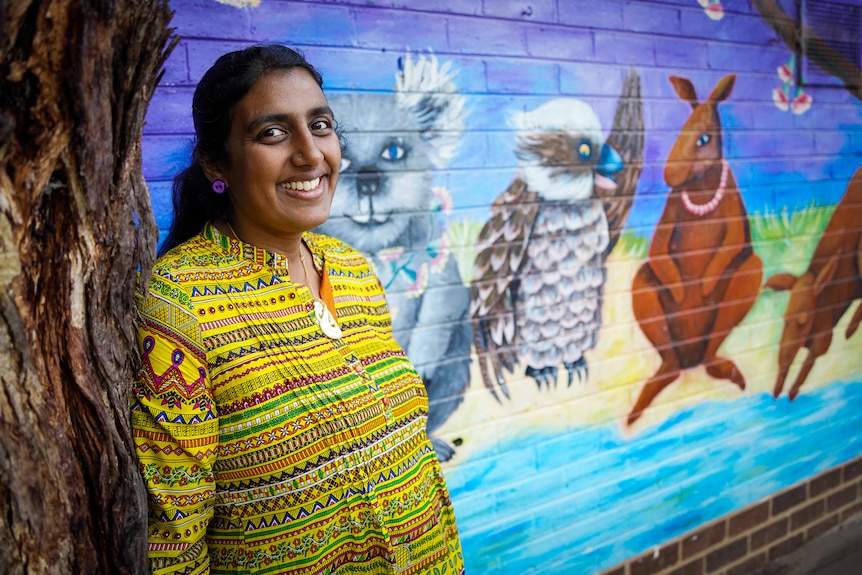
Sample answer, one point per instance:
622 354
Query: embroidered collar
262 256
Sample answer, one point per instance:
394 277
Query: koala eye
393 152
585 151
702 140
345 163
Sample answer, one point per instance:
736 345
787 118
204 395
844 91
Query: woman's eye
393 152
345 163
702 140
321 125
272 132
585 150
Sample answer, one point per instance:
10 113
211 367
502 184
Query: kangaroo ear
781 282
723 89
826 274
684 89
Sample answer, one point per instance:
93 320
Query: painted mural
605 278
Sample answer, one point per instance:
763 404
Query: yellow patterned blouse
268 447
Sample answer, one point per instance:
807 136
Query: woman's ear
211 171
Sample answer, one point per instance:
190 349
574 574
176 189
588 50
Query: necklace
324 317
703 209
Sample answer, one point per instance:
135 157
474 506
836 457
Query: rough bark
75 226
811 46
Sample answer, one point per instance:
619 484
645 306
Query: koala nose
367 180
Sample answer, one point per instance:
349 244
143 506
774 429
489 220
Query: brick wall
747 540
552 479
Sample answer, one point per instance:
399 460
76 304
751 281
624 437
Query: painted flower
801 102
420 282
389 255
713 8
782 102
443 200
441 255
785 72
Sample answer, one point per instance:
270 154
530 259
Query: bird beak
610 161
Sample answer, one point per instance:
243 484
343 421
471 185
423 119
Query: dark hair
216 95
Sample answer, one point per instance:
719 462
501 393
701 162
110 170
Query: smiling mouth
303 186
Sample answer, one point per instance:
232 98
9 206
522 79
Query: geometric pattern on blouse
267 447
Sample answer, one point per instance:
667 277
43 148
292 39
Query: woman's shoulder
334 249
197 252
330 244
342 259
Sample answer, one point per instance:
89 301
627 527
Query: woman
279 427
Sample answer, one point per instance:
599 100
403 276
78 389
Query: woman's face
283 160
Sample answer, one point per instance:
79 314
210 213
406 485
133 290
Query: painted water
582 500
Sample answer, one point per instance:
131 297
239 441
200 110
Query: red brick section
747 540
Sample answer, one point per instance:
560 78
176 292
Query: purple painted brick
176 67
651 18
339 66
591 79
622 48
767 116
682 53
485 36
794 144
203 53
170 112
738 58
522 77
830 142
559 43
207 19
607 14
495 111
755 88
527 10
164 156
748 144
384 29
294 24
815 118
473 7
160 196
734 27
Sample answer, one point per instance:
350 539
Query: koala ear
425 89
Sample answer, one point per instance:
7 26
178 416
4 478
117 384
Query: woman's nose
306 151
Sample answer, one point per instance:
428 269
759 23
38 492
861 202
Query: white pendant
326 321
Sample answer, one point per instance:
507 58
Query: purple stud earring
218 186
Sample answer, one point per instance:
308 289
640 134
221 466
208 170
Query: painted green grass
461 236
632 246
785 240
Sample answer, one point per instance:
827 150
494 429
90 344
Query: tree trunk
75 225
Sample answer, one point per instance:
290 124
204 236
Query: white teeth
305 186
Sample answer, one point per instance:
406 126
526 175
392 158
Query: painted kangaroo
702 276
821 296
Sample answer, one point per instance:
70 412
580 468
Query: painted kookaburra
539 274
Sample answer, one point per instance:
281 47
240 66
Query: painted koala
387 207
